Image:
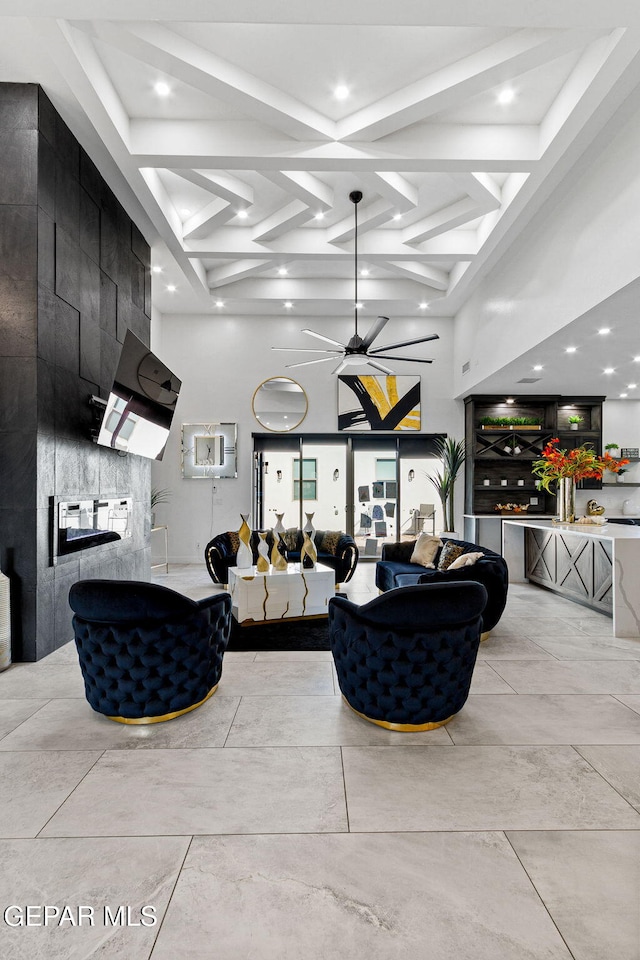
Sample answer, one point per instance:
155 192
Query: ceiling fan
358 350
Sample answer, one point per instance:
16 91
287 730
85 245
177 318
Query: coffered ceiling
458 120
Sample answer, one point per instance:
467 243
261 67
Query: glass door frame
400 446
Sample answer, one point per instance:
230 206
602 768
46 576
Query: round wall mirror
279 404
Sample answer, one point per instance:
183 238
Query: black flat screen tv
141 404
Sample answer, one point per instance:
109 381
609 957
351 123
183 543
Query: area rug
283 635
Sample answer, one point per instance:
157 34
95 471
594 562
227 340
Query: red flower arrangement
581 463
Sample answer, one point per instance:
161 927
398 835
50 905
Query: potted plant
575 421
158 496
452 453
565 468
510 423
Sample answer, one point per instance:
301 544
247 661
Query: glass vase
566 500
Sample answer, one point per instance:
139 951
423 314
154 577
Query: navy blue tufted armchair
147 653
405 660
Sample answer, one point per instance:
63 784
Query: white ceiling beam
287 218
303 185
452 85
422 272
213 215
190 63
368 219
226 145
237 243
453 215
395 189
326 288
481 187
228 188
236 270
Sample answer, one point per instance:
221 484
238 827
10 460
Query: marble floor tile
74 725
543 719
303 656
479 788
33 785
24 681
315 721
620 766
14 712
239 656
570 676
590 884
275 679
179 792
97 873
65 654
535 626
386 897
589 647
486 680
500 647
630 701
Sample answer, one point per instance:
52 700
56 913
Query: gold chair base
485 636
400 727
166 716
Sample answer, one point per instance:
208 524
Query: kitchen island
595 565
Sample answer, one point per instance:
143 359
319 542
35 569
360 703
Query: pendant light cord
355 268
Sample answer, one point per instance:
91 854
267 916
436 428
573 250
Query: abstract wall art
378 403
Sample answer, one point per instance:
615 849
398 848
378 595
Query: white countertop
605 531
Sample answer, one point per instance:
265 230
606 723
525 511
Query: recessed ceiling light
510 400
397 216
604 330
423 305
156 269
171 288
219 303
359 306
288 305
185 213
571 349
636 359
623 396
506 96
282 271
341 92
631 386
319 216
364 272
162 89
608 370
538 366
242 214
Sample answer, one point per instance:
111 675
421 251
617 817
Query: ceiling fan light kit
358 350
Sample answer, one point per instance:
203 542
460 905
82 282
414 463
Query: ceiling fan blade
380 323
319 336
306 350
406 343
385 356
380 366
304 363
340 367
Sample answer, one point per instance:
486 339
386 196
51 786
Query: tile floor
274 824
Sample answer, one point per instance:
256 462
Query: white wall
221 361
582 247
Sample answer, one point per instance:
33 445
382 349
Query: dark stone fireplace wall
74 275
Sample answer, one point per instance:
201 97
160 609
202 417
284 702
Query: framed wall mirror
280 404
209 450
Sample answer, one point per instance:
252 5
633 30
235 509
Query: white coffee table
291 594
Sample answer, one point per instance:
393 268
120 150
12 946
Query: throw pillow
466 560
450 552
329 542
234 541
425 550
